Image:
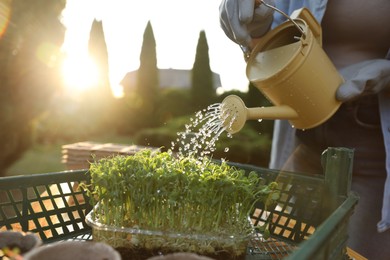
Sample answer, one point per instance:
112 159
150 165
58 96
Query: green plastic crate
45 204
309 221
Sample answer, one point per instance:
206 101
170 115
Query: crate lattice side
51 205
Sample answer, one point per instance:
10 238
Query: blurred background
115 71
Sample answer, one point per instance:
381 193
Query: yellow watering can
289 66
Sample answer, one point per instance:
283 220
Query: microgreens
156 191
192 197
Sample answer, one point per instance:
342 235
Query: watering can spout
234 113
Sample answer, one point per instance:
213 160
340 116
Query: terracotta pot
74 250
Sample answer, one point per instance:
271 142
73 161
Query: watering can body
294 73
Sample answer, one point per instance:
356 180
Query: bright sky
176 25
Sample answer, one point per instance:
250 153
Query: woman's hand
242 20
367 77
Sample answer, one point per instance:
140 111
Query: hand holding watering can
245 19
289 66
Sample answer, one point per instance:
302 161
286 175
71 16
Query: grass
42 158
39 159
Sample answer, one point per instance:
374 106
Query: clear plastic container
136 243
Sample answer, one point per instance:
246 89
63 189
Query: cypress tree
147 88
202 90
97 49
139 105
147 77
100 99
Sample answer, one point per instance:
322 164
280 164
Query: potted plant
154 203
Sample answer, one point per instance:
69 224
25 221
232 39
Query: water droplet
226 149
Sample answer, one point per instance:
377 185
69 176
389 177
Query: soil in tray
142 254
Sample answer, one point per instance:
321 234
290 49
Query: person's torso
356 30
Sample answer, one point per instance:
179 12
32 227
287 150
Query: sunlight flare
80 73
5 12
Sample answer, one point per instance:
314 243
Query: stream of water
201 134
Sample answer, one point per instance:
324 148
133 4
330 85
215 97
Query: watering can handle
258 2
247 50
307 16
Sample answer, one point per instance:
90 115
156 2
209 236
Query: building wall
168 78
